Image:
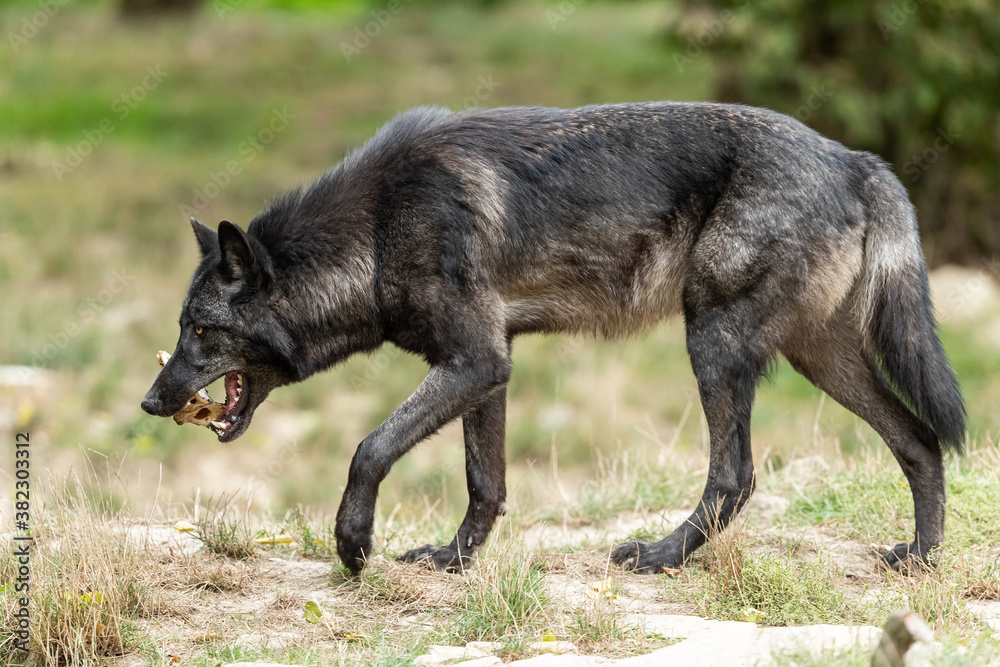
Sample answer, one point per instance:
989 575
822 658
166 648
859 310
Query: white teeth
239 389
219 425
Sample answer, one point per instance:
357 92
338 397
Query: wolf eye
198 330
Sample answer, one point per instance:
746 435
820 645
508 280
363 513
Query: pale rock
274 640
558 647
487 648
565 660
24 376
468 655
710 643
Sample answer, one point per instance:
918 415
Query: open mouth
237 397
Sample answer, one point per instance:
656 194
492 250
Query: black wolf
448 234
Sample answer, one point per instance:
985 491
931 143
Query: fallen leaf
274 539
25 412
313 612
183 526
94 597
672 571
549 637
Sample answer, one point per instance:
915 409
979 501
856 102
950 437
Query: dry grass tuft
406 585
601 625
89 583
288 600
504 597
225 532
939 596
982 581
726 558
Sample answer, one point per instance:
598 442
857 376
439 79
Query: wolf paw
354 552
906 559
442 559
643 557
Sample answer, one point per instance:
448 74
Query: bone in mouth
200 409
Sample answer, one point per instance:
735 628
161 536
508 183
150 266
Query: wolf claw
442 559
645 557
906 559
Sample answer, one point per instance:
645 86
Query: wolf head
228 329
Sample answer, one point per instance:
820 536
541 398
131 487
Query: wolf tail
896 311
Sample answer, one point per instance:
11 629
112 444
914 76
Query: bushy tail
897 314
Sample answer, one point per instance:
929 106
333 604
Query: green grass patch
381 653
773 591
871 502
505 600
224 534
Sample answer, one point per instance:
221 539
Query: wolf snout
154 405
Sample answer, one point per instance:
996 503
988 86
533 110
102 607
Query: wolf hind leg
835 360
727 369
485 467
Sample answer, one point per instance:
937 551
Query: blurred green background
118 120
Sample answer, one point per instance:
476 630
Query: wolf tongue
232 382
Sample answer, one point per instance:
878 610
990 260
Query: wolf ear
208 240
239 262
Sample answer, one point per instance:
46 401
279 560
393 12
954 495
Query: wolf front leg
450 389
485 469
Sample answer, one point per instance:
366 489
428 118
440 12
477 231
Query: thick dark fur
450 233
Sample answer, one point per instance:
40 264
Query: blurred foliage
143 7
917 82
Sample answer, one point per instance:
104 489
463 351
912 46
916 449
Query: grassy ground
112 588
111 133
